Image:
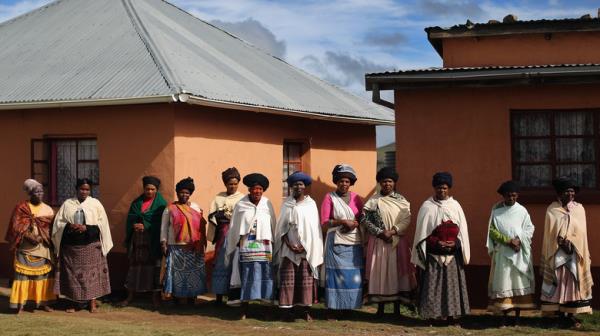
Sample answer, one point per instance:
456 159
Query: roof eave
87 102
196 100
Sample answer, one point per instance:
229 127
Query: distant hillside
381 153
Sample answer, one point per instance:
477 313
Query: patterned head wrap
343 170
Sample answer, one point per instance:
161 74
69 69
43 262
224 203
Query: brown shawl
20 223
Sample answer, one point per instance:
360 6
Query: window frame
50 161
303 162
547 194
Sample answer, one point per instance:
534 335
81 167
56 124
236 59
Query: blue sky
340 40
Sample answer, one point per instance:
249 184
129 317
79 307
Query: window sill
547 196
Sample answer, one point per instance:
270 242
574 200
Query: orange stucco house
115 90
513 100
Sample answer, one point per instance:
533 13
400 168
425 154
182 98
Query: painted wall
526 49
209 140
467 132
132 141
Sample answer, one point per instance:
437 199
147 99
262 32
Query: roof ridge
157 58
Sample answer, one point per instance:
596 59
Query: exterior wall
209 140
527 49
132 141
467 132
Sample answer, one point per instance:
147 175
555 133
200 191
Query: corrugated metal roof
480 68
108 49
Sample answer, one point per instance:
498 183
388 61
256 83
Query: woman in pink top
344 263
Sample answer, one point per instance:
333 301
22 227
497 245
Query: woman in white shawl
441 249
390 275
81 236
298 247
511 284
565 266
251 234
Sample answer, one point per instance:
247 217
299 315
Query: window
293 152
58 163
549 144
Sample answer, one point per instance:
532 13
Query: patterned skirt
257 281
221 274
83 272
344 269
566 298
297 284
443 290
143 274
185 276
33 282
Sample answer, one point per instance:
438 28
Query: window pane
87 150
574 123
532 150
585 175
40 172
89 170
534 176
66 175
575 150
294 151
531 124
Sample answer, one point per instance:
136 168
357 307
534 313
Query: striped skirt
33 282
257 280
143 274
344 270
185 274
297 284
83 272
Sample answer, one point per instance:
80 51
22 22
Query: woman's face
387 186
83 191
183 196
441 191
510 198
343 185
255 193
232 186
298 189
37 195
149 191
567 196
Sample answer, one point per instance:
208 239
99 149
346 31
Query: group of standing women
353 250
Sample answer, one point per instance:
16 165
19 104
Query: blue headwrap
442 178
299 176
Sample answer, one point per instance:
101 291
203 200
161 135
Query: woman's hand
163 248
386 235
297 249
515 244
566 246
138 227
79 228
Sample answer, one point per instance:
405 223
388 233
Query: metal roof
93 50
485 76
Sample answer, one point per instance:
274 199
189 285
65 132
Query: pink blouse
356 205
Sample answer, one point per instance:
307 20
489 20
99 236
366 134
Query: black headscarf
187 183
155 181
253 179
230 173
442 178
563 183
387 172
508 187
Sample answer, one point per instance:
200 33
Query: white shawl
94 215
222 202
341 210
394 210
245 214
431 214
512 221
305 216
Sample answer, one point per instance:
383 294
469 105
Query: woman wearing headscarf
81 235
298 246
343 270
29 239
565 265
389 273
511 283
252 225
441 249
142 239
183 240
219 217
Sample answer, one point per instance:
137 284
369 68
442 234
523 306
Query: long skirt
257 281
390 274
83 272
297 285
443 290
185 275
33 282
344 270
143 274
508 288
567 297
221 274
